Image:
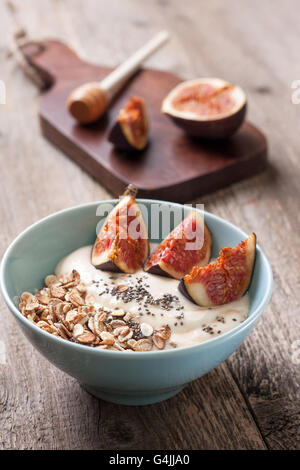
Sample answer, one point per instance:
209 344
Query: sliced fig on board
209 108
122 243
130 132
225 280
189 244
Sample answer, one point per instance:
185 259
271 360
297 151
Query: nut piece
91 324
121 288
50 279
123 338
129 316
158 341
99 325
71 281
86 338
146 329
131 343
78 330
119 346
42 298
46 327
57 291
107 338
118 313
143 345
75 299
121 330
61 309
117 323
164 332
26 297
32 304
63 331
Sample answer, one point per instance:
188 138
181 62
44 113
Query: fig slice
122 244
208 108
225 280
130 132
180 251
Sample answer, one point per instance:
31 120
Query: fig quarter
130 131
225 280
116 248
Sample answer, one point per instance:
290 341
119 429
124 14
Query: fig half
188 245
122 244
130 132
225 280
209 108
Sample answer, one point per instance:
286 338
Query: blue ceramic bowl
127 378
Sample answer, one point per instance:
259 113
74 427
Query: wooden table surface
251 401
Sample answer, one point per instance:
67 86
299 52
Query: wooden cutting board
173 167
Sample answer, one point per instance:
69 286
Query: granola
62 308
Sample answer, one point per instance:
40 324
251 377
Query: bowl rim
141 354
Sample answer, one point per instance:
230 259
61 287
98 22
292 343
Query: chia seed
139 292
208 329
135 327
220 319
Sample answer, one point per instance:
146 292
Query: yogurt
154 300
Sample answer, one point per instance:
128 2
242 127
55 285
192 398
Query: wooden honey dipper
89 101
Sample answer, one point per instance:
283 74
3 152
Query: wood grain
252 401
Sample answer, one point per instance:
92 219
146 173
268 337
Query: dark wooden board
173 167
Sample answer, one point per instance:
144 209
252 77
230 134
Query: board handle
88 102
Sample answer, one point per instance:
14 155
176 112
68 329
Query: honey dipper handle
89 101
115 80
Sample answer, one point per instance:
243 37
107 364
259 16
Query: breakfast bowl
137 378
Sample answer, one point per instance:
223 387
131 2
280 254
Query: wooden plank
251 401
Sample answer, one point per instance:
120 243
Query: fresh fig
130 132
122 244
174 257
209 108
225 280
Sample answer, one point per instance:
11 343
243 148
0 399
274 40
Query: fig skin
114 249
183 290
217 126
233 270
219 129
119 140
130 132
170 259
109 266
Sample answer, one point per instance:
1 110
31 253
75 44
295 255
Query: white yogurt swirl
155 301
